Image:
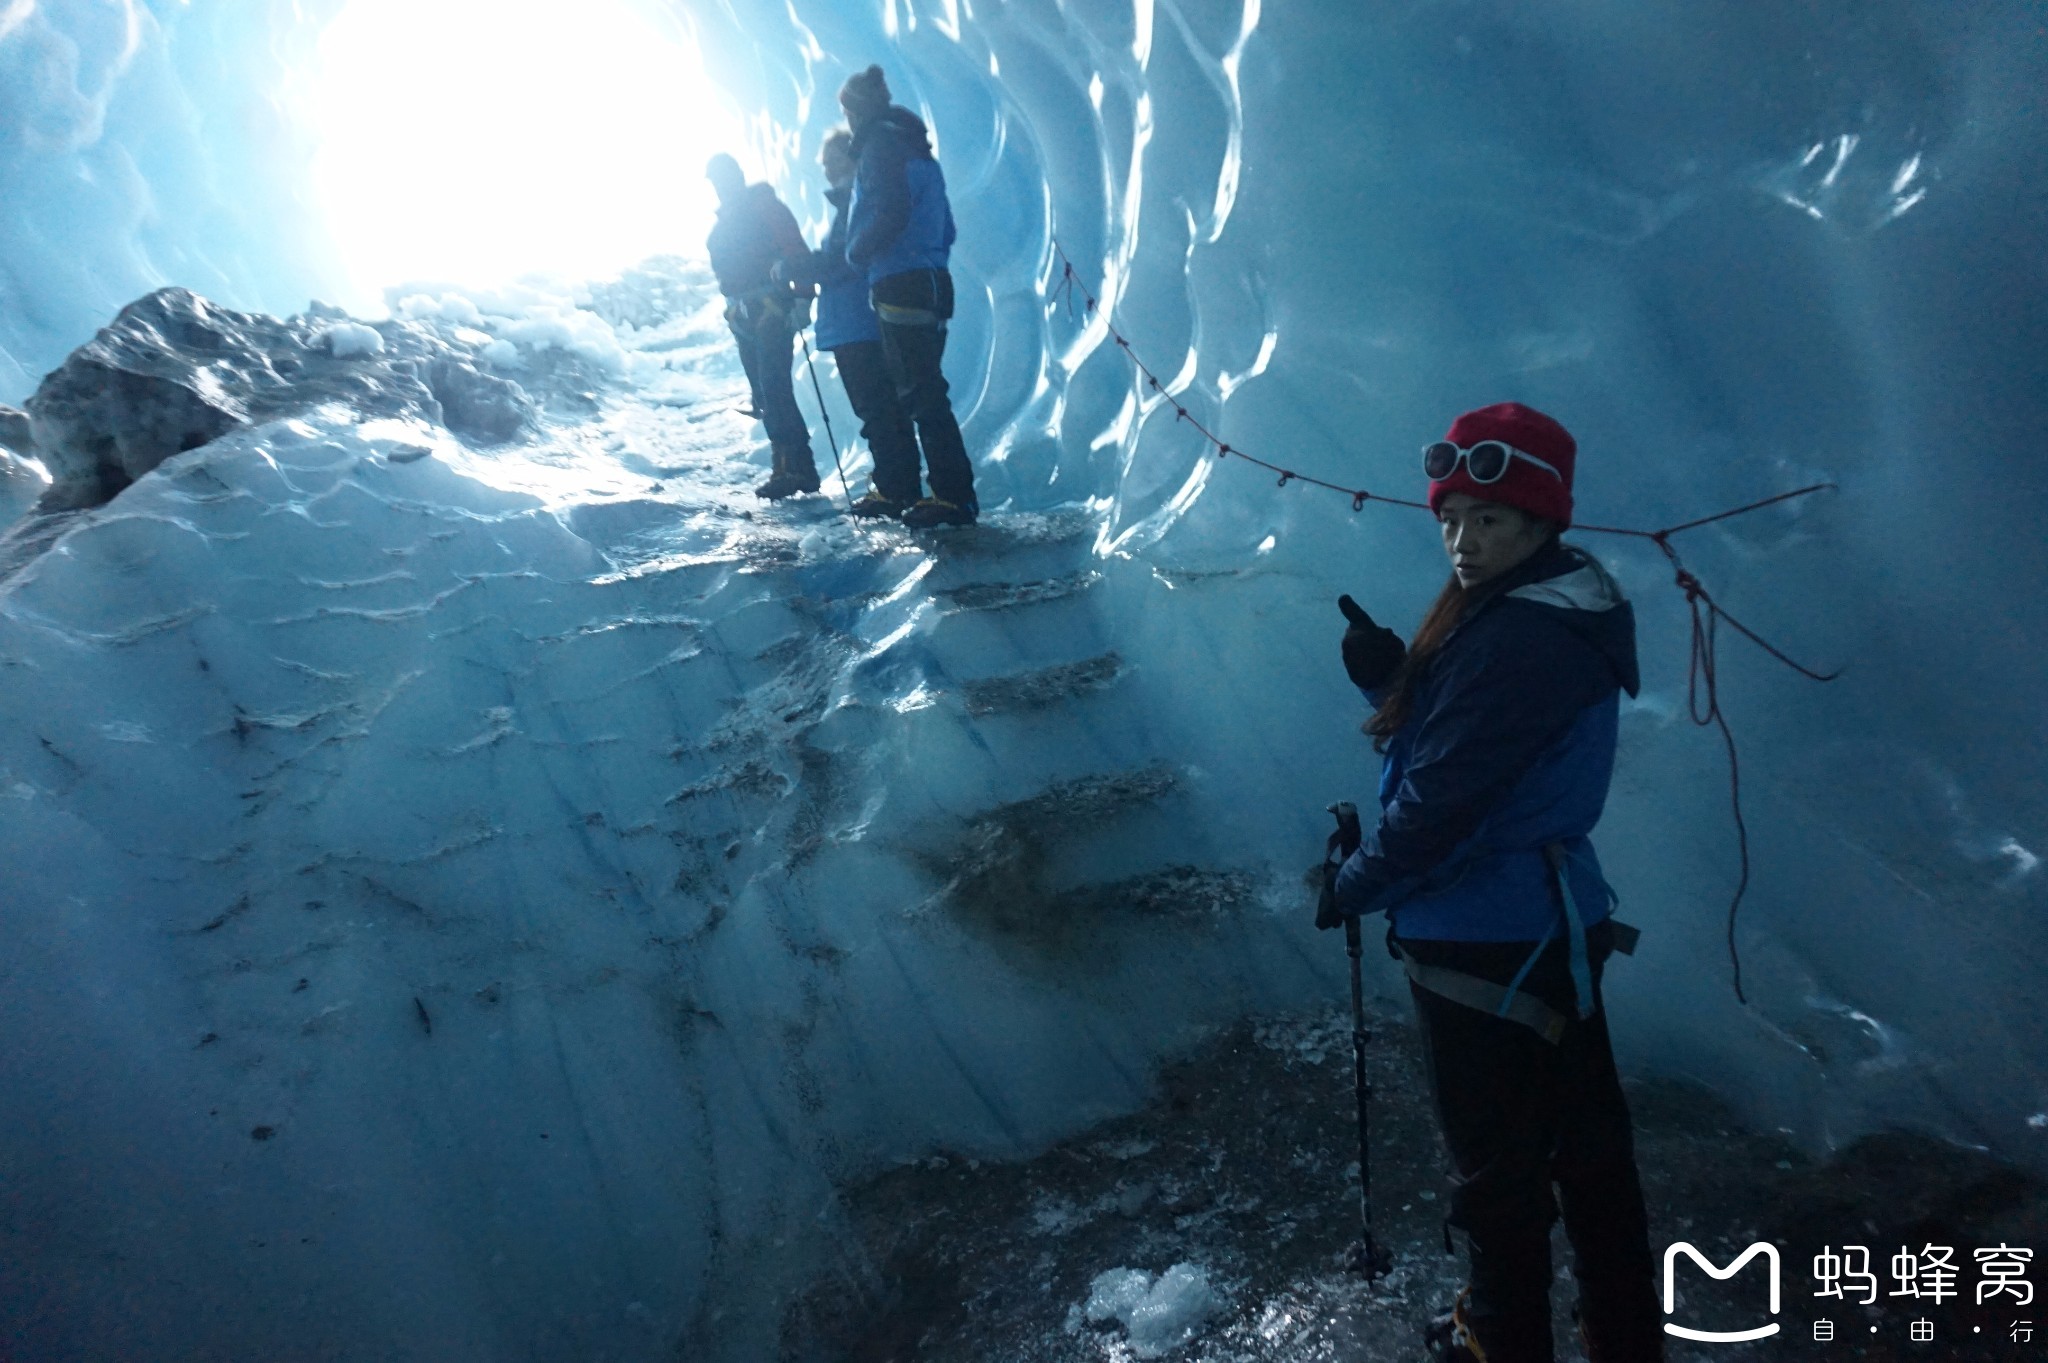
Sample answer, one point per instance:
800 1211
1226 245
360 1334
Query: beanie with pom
865 91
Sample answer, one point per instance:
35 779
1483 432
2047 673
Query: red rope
1703 675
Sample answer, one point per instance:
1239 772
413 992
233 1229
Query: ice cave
477 883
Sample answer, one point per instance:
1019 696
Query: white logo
1768 1250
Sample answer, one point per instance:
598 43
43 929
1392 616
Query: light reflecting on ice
1227 383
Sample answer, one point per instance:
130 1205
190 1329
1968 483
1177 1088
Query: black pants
871 389
914 308
764 339
1520 1115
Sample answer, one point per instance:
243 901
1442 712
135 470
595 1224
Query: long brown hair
1443 617
1449 611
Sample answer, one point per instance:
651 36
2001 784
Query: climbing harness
1509 1001
907 317
1702 682
900 315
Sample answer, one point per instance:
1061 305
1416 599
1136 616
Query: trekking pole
1369 1257
818 388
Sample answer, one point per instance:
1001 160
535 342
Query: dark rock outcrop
174 371
14 431
473 403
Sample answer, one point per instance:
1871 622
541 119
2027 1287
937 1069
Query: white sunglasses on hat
1486 461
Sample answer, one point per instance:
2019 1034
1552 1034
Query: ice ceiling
1737 248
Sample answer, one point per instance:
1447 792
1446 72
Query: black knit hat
866 91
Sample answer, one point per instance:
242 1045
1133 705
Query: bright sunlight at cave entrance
475 141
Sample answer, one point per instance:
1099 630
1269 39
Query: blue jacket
844 315
900 219
1508 747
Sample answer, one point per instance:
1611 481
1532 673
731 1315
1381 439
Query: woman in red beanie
1497 724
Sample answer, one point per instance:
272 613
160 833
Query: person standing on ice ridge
1497 725
899 235
754 233
847 327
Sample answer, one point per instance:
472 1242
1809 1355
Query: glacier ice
574 870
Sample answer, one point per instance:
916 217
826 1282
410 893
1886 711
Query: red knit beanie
1524 485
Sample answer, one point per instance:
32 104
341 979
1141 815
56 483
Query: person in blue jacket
899 234
1497 725
846 326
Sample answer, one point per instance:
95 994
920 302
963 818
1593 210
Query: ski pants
913 309
871 390
761 331
1520 1117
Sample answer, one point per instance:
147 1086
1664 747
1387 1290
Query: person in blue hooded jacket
846 325
1497 726
900 236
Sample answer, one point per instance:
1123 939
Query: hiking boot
875 506
1448 1339
795 471
935 511
786 484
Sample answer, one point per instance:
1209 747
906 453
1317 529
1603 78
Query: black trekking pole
1368 1257
818 388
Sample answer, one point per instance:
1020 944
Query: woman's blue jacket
844 314
1508 748
900 219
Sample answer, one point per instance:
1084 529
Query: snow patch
447 307
523 317
503 355
348 340
1158 1316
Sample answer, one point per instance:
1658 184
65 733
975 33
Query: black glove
1372 652
1342 843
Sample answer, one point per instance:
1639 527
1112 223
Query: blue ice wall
144 144
1736 248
